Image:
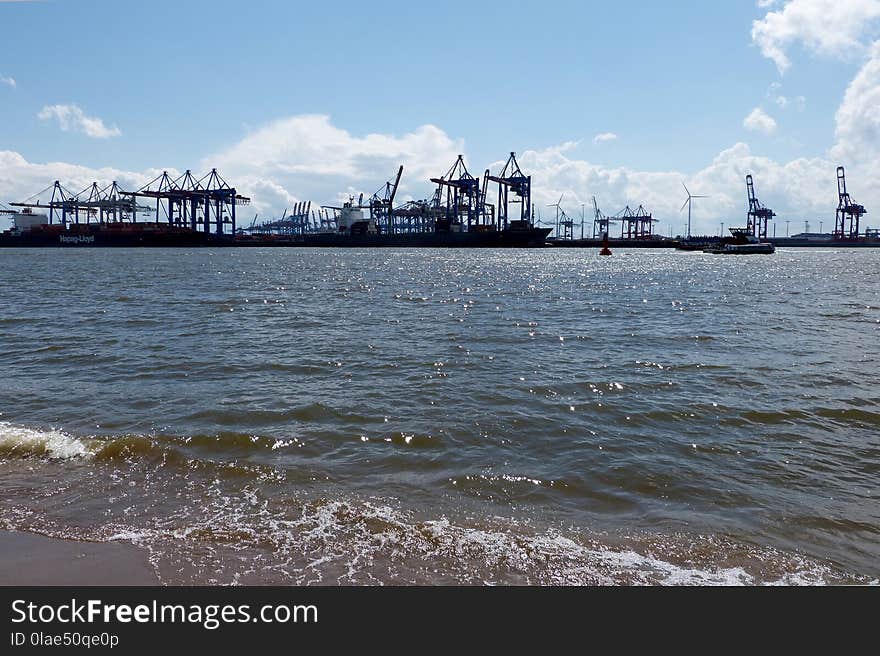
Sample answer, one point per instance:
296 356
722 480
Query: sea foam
20 441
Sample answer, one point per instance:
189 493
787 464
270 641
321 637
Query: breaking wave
18 441
228 521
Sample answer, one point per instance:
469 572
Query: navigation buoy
605 250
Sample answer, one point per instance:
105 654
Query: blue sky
178 84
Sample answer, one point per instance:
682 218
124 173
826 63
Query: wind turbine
688 203
558 206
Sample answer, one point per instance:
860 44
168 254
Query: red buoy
605 250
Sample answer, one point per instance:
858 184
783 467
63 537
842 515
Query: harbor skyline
778 98
400 295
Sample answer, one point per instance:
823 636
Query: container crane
459 191
382 203
849 213
759 215
512 179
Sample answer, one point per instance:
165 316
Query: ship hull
109 238
182 238
532 238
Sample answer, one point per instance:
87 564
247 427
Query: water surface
442 416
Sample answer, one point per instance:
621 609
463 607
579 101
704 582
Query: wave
248 540
18 441
227 520
198 452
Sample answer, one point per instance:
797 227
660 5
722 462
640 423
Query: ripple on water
356 411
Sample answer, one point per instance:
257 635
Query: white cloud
760 121
8 81
857 130
826 27
71 118
604 137
19 178
306 156
800 188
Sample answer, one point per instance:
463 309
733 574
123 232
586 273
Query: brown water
550 417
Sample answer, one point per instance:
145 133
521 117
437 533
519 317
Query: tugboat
742 242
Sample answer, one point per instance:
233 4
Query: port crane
564 225
382 203
107 204
849 213
512 179
299 217
62 200
759 215
294 223
636 223
5 209
462 195
188 201
601 223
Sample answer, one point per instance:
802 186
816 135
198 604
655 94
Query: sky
295 101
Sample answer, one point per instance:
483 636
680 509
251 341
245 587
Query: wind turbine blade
700 196
685 188
686 203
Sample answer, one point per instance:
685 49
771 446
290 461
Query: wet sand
29 559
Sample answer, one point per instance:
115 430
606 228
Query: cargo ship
354 229
33 230
510 238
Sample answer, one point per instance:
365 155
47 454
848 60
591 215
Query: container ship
32 230
186 213
351 227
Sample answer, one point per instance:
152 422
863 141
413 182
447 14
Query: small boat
742 242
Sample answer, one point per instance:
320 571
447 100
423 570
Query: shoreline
29 559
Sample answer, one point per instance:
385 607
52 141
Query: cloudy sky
294 101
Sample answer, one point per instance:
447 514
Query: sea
448 417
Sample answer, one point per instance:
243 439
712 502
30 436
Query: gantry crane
759 216
849 213
458 192
601 223
382 203
512 179
184 197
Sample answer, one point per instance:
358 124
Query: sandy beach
27 559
